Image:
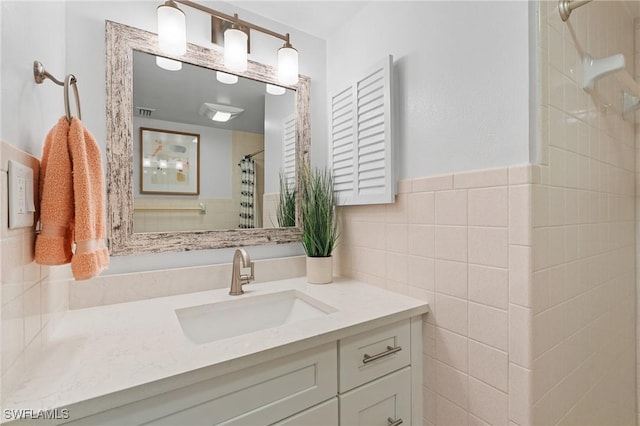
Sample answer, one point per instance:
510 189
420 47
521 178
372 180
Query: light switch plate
21 200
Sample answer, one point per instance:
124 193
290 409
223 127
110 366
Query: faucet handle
246 279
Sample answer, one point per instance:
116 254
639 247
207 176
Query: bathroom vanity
285 352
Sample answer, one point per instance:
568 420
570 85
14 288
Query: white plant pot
319 270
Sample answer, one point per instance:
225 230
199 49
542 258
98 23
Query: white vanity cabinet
370 378
376 376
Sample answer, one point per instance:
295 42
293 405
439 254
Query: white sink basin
220 320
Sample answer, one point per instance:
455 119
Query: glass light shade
235 50
162 164
168 64
172 30
225 78
287 65
221 116
272 89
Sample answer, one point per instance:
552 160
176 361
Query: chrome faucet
237 279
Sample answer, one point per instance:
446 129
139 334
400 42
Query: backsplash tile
29 304
459 259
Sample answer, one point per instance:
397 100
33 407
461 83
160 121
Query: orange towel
72 201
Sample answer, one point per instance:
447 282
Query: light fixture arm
233 19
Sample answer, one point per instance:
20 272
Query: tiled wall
582 361
32 300
530 272
462 243
270 210
220 214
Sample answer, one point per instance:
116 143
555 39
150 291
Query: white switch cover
21 200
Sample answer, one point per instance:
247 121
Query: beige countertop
106 356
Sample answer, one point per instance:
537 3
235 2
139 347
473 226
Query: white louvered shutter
289 149
360 131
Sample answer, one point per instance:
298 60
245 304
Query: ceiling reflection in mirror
242 134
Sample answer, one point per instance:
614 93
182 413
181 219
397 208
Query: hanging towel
72 201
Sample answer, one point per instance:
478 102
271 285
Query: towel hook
40 75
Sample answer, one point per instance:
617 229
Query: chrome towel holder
40 75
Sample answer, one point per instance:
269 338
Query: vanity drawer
383 402
372 354
262 394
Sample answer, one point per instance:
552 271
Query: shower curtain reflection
247 193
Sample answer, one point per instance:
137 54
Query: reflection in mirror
244 135
219 151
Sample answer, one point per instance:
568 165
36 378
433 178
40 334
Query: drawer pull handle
390 351
394 422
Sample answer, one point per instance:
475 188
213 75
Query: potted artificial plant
319 223
286 210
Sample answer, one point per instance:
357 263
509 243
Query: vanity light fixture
235 47
168 64
287 63
272 89
220 113
172 39
172 29
226 78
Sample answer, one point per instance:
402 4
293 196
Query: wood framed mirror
122 42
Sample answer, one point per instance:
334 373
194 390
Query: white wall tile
488 246
451 207
481 178
452 314
488 403
449 414
452 384
421 208
451 278
489 206
421 240
451 348
489 286
489 365
451 243
489 325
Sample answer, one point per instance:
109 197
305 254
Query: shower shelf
595 69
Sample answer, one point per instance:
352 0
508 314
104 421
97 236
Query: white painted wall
68 37
31 31
462 79
276 108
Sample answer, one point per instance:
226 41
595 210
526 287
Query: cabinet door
325 414
258 395
384 402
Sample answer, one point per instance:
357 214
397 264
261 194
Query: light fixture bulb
221 113
272 89
162 164
221 116
287 65
235 50
226 78
168 64
172 29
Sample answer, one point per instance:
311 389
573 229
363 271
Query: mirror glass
176 141
238 132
